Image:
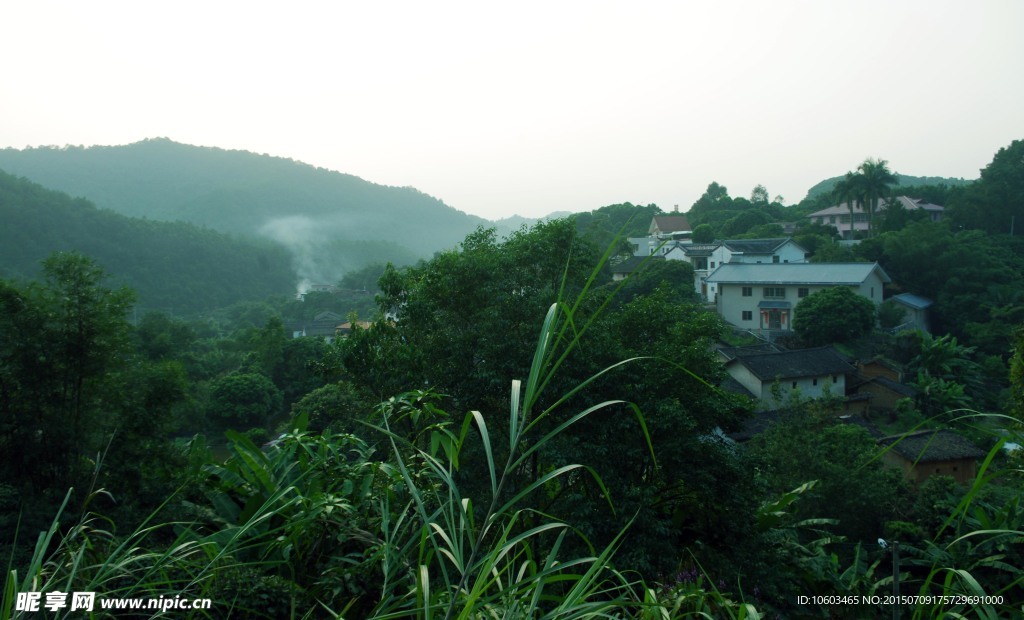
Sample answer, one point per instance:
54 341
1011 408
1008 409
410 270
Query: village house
773 377
706 257
662 234
324 325
764 297
839 215
931 452
625 268
881 382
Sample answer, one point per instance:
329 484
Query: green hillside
239 192
173 266
826 186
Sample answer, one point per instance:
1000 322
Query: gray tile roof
907 202
932 445
794 364
892 386
796 273
632 263
729 353
754 246
669 223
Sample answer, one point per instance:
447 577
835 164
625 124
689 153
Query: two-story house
706 257
764 296
849 224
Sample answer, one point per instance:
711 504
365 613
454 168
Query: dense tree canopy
63 341
466 325
835 314
175 267
995 203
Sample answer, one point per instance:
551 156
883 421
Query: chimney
677 209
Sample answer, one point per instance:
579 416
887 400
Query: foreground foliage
555 498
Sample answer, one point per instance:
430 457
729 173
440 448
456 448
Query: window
775 259
832 219
771 292
748 291
814 382
872 292
748 315
794 385
802 292
712 264
835 379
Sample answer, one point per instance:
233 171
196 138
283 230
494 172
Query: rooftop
796 273
669 224
914 301
905 201
793 364
932 445
754 246
632 263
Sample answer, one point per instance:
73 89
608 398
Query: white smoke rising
303 237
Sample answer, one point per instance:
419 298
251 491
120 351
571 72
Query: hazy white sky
531 107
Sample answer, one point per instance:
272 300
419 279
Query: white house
706 257
773 377
839 215
764 296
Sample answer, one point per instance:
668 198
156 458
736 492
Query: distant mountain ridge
826 186
174 266
243 193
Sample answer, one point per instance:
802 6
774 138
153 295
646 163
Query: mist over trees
331 222
176 267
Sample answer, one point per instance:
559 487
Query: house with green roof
915 311
764 296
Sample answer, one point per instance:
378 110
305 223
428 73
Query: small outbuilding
932 452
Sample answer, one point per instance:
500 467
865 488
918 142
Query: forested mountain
827 185
172 265
314 211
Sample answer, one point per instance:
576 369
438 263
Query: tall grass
489 556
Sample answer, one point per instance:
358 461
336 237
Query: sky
531 107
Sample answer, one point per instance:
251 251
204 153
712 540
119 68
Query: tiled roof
670 223
755 349
893 386
632 263
796 273
932 445
908 203
793 364
699 249
754 246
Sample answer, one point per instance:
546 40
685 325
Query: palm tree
873 181
847 190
